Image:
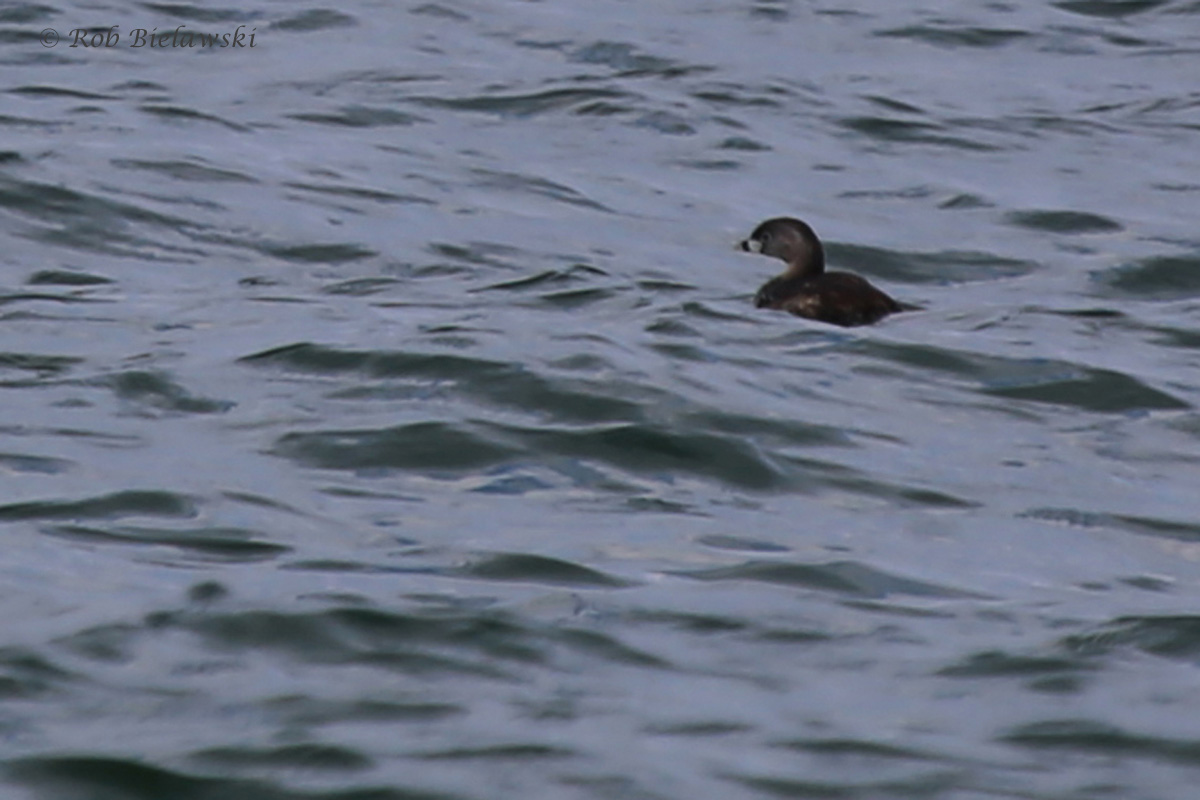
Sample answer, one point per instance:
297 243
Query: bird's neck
808 261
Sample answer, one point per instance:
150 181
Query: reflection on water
385 413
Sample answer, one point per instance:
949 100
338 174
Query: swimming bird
805 288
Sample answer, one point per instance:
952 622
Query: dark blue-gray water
384 414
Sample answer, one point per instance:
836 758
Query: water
385 414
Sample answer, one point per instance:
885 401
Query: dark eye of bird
763 238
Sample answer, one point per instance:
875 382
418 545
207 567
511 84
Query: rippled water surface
385 414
